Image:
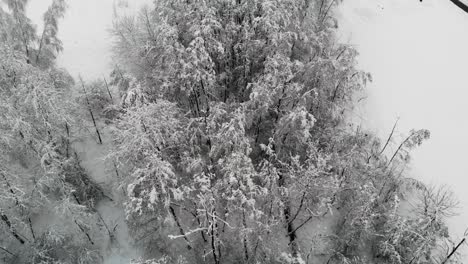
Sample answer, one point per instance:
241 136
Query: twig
299 208
7 251
389 137
82 230
328 10
454 250
398 150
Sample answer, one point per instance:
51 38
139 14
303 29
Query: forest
223 135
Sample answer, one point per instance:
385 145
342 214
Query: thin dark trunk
68 140
217 237
116 170
225 219
197 103
244 223
31 228
196 216
213 242
199 224
5 219
95 126
398 150
7 251
10 188
341 53
389 138
320 9
82 230
291 231
336 90
213 249
181 230
255 249
328 10
303 223
299 208
108 91
91 112
76 198
454 250
8 185
290 228
386 143
111 237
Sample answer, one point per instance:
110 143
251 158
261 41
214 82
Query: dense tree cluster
226 126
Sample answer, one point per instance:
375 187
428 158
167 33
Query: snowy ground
418 55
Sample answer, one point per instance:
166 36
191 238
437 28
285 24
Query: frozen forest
224 134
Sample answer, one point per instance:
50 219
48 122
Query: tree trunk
67 141
291 231
181 230
40 45
290 228
82 230
108 91
7 251
5 219
244 223
91 112
31 228
454 250
213 235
